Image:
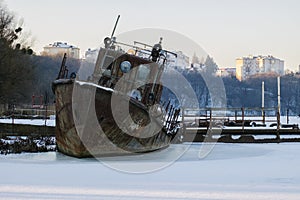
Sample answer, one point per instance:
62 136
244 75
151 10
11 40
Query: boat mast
113 32
108 42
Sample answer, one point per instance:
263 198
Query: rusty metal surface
87 139
67 139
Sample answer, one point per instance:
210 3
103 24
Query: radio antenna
112 34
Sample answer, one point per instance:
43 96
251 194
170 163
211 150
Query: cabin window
107 61
136 94
143 72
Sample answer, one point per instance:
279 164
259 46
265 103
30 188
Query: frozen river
228 172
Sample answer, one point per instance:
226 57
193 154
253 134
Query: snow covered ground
51 121
229 172
40 122
258 120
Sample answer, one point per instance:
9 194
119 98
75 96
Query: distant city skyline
225 29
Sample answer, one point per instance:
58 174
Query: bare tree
16 69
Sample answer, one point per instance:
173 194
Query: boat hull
86 125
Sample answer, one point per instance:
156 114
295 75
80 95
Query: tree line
22 73
238 94
248 93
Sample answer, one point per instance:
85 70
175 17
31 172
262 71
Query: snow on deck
94 85
229 172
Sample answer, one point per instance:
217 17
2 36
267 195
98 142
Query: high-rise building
252 65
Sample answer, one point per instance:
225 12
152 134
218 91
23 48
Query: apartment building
252 65
59 48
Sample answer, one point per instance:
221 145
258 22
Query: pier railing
262 115
16 122
235 121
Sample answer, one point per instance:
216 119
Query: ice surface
229 172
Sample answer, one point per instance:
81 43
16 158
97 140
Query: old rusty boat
118 110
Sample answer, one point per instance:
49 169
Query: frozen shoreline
51 121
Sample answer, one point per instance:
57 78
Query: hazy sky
225 29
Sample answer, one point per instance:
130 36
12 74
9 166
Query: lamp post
263 101
278 111
278 95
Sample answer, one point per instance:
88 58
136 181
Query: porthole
125 66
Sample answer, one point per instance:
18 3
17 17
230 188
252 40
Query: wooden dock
25 130
245 135
216 125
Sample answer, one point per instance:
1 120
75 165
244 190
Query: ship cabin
136 72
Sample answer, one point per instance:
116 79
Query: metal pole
243 118
278 127
182 119
287 116
113 32
210 119
235 115
13 119
13 114
278 86
278 112
46 113
263 99
263 94
298 93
